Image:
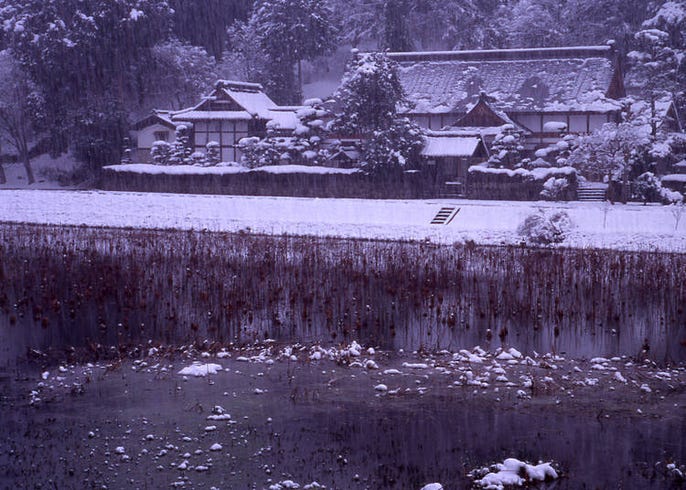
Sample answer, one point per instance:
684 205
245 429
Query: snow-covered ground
46 171
627 227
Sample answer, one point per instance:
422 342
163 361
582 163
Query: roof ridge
603 51
238 85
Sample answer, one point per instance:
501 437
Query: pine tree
310 134
396 33
181 149
213 153
290 31
507 147
160 152
659 60
369 94
394 149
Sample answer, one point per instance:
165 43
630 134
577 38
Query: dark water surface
82 287
306 427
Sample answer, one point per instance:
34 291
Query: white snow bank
624 227
150 169
513 472
198 369
535 174
432 486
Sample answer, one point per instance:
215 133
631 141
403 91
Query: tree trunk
29 171
300 80
3 179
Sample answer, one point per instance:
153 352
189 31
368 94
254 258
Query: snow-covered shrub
506 147
310 134
669 196
198 158
648 188
181 149
160 152
394 149
261 152
553 189
544 228
213 153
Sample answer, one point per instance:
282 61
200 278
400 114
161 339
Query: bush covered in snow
507 147
648 188
543 228
213 153
394 149
160 152
553 188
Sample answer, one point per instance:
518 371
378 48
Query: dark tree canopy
205 22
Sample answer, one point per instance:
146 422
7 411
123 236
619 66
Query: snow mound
513 473
198 369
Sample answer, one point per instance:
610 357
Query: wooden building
158 126
234 110
537 89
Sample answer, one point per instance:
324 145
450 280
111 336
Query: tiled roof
545 79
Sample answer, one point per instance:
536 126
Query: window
577 124
161 135
596 121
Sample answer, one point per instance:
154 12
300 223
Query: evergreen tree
507 147
310 134
369 94
205 22
213 152
87 59
393 149
160 152
659 60
290 31
181 149
396 33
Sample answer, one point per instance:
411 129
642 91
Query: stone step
445 215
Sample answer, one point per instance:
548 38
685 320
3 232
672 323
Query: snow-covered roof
450 146
156 117
211 116
535 79
469 131
674 178
256 103
282 119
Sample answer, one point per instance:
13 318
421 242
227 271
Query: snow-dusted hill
629 227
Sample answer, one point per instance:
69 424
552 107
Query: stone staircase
445 215
591 192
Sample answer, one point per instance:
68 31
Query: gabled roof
157 117
234 100
535 79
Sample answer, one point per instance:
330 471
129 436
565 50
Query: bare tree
19 108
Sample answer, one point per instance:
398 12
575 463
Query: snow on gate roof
450 146
538 79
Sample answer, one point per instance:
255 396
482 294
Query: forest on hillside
74 74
